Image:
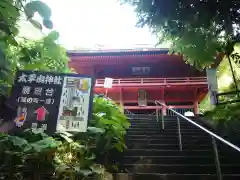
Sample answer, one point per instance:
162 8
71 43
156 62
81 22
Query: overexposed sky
89 23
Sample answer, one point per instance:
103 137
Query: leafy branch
27 54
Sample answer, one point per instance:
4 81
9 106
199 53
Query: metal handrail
213 136
153 113
202 128
129 112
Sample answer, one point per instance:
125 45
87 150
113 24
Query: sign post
52 101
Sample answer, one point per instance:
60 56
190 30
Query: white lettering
32 78
49 79
22 78
38 91
57 80
26 90
48 101
34 126
35 100
40 79
49 92
44 127
29 100
23 99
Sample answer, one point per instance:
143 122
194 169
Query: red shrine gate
153 73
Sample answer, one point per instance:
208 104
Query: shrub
34 155
226 120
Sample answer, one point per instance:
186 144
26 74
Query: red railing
154 81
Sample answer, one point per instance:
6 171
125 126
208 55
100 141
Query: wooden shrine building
152 72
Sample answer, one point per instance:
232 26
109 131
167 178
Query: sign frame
12 101
89 116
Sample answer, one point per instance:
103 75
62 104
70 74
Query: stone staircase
153 153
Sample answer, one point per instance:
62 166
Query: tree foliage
35 155
44 55
198 29
107 114
17 53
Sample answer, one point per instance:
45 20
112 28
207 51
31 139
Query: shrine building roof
118 52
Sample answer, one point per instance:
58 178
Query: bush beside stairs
153 153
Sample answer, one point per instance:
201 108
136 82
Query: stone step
179 159
159 119
173 144
155 120
163 136
159 128
168 135
144 122
192 152
170 141
157 176
181 168
153 153
159 152
166 125
188 146
166 132
154 117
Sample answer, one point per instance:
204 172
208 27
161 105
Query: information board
51 101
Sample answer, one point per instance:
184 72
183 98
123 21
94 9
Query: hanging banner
51 101
212 84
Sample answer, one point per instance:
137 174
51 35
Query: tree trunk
229 33
234 77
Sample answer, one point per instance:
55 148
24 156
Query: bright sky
86 23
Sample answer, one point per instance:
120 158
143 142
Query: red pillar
164 109
196 108
121 100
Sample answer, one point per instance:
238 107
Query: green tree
19 53
198 30
44 55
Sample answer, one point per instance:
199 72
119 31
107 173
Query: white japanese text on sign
39 79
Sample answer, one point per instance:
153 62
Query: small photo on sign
74 107
82 84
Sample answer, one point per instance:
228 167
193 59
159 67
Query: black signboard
38 97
